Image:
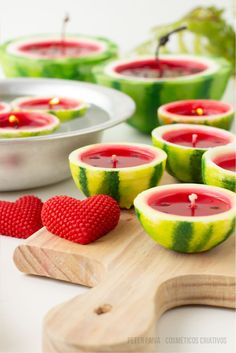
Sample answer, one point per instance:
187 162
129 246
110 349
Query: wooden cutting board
135 282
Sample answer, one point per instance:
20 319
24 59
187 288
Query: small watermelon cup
185 157
26 124
50 56
4 107
218 167
197 111
187 233
120 182
199 77
62 107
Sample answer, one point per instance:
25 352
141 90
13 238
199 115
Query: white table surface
24 300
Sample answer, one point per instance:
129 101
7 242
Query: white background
24 300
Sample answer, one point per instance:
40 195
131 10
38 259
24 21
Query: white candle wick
194 139
192 198
114 160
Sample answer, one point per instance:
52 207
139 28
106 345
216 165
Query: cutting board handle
120 314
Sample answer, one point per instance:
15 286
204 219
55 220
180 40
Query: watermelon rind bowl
149 94
18 64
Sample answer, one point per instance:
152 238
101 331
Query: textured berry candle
187 218
151 82
63 107
198 111
185 145
23 124
120 170
219 167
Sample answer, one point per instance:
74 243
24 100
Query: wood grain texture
135 281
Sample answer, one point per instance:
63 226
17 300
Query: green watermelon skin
222 121
184 235
183 163
150 95
68 68
212 174
122 184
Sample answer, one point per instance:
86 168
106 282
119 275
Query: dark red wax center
193 108
59 48
189 138
117 157
162 68
47 103
23 120
176 202
227 161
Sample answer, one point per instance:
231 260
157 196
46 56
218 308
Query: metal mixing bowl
37 161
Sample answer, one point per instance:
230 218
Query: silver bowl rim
118 118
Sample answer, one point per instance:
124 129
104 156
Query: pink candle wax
117 157
189 202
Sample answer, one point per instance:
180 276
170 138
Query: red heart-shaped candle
21 218
80 221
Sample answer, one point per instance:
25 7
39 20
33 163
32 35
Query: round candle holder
185 145
197 111
218 167
120 182
50 56
63 108
187 77
27 124
187 233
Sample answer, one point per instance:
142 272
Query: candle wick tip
192 198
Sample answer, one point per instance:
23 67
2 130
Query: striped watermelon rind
212 174
123 184
150 94
183 162
221 120
186 234
32 131
16 64
63 115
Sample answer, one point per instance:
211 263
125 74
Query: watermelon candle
71 57
187 218
185 145
219 167
121 170
4 107
24 124
198 111
151 82
63 107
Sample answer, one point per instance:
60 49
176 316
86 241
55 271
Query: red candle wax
164 68
117 157
23 119
194 107
47 103
59 48
227 161
177 202
188 138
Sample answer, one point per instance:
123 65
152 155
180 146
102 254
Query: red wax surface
24 120
126 156
188 108
44 104
59 48
204 139
152 68
227 161
176 202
